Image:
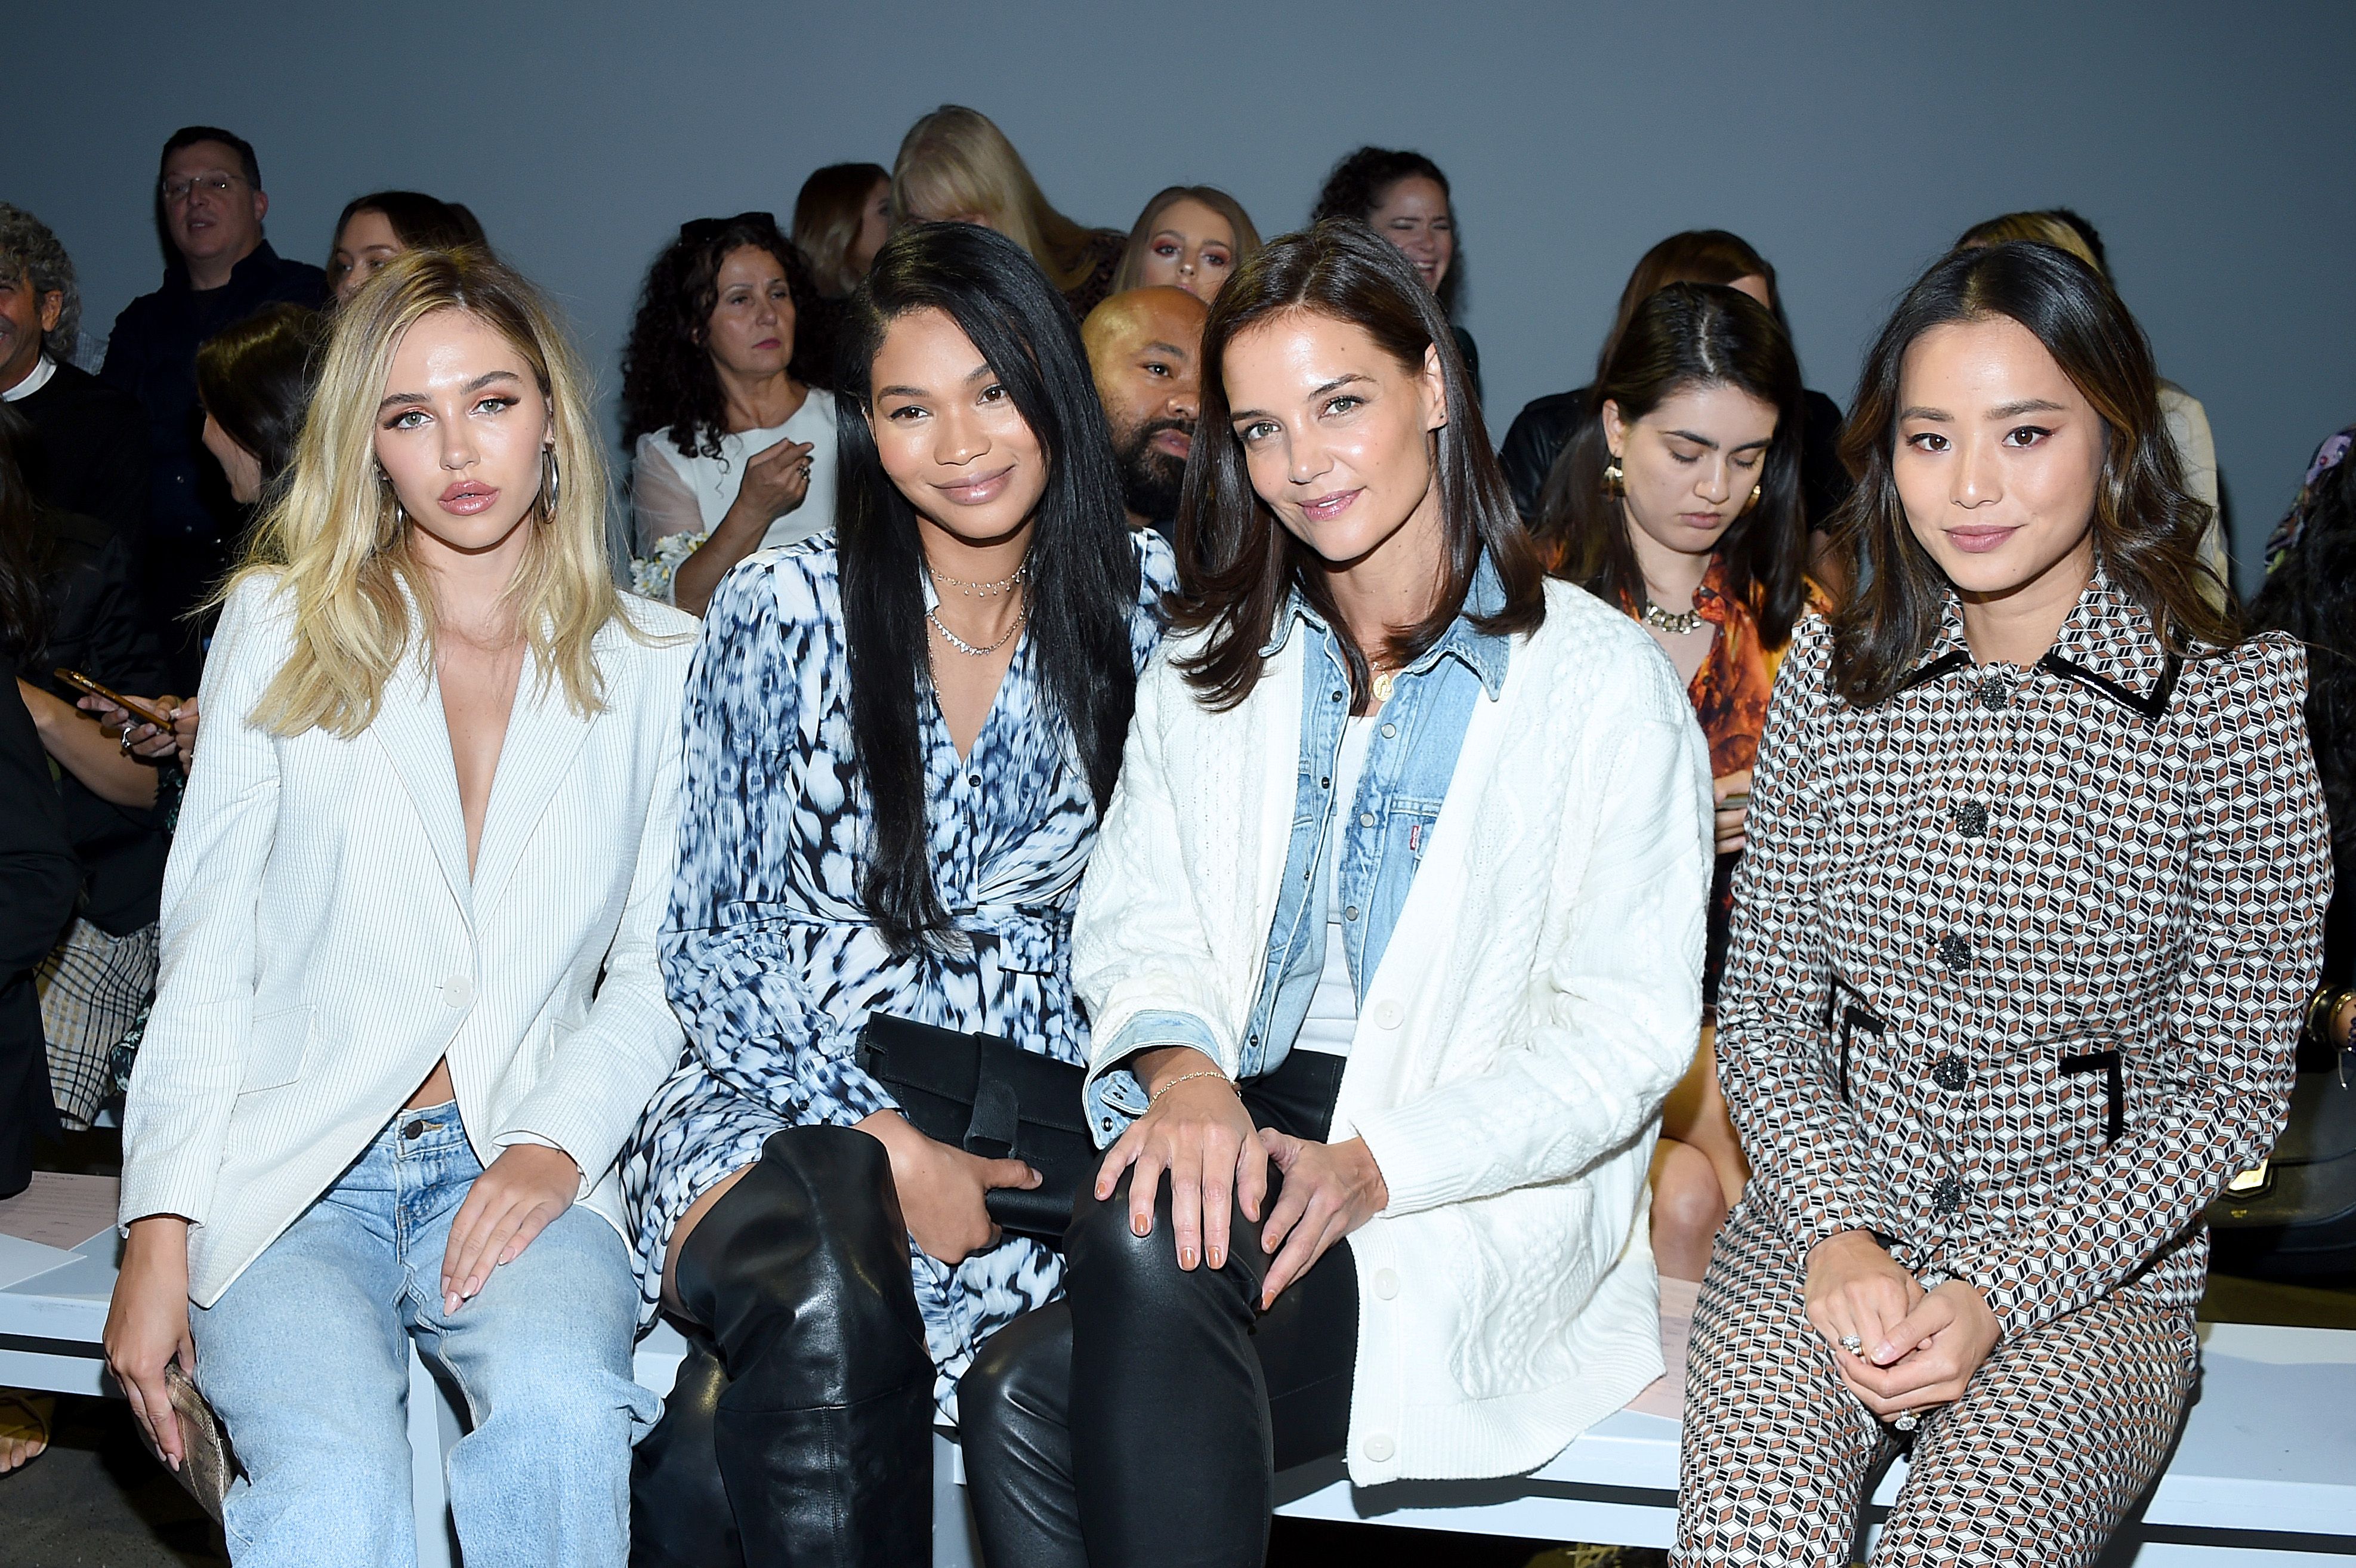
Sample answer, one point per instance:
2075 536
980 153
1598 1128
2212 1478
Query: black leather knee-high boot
824 1431
680 1516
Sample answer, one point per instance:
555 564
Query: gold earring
1754 493
1615 482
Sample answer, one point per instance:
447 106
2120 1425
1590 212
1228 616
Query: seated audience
94 982
88 455
899 740
2187 420
209 205
734 449
375 229
1546 425
38 880
1190 236
406 1019
1357 1117
841 219
1145 352
1403 196
2030 913
1681 505
253 382
956 165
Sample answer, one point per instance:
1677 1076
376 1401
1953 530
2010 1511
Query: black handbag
989 1097
2294 1217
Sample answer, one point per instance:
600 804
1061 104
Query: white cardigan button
1385 1284
1379 1448
1388 1013
458 992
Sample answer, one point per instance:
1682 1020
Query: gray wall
1848 141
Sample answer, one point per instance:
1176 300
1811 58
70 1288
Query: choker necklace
982 590
1677 623
1022 614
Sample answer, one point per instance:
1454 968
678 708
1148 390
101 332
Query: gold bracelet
1183 1077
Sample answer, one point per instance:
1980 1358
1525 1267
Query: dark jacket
98 626
91 453
37 881
1546 426
192 523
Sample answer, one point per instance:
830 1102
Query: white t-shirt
1333 1007
673 495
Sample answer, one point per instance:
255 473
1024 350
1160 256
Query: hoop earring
1615 481
551 476
387 536
1754 494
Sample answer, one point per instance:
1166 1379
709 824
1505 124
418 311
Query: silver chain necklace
1022 614
1677 623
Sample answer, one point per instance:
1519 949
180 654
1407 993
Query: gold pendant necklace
1385 684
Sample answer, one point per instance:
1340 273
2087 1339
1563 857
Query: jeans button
414 1130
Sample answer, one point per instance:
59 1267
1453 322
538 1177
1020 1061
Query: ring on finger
1853 1344
1907 1420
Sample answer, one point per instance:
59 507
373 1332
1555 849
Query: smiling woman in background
409 1005
1403 196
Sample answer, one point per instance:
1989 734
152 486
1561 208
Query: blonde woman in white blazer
409 1006
1392 947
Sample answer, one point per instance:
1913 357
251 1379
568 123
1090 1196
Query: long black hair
1242 564
668 377
1083 587
255 376
1358 185
24 549
1689 335
2146 525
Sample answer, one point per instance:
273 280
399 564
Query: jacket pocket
277 1048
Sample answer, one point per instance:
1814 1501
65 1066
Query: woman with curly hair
734 446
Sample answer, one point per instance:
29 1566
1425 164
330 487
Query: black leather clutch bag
990 1097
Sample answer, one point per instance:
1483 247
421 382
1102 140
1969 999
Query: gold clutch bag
210 1464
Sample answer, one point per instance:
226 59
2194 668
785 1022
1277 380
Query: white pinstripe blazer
323 945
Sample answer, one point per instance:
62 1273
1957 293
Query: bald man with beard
1145 347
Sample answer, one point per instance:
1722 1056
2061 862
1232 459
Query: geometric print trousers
2056 1435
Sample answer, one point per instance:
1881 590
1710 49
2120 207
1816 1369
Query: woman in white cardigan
1401 894
409 1006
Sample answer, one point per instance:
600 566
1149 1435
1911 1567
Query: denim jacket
1411 759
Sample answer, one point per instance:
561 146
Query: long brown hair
2147 524
1696 256
1242 565
1689 335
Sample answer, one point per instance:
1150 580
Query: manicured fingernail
1218 1259
450 1302
1139 1226
1185 1256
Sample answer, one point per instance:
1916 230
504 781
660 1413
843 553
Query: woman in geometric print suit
2032 900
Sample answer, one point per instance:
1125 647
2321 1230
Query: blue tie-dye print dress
770 960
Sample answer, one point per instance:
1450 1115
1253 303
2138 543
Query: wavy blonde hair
957 160
334 541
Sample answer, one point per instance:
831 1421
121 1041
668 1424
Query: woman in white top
1399 1045
409 1005
734 447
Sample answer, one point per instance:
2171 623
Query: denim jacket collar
1485 653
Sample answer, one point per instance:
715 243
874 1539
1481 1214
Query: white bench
2264 1476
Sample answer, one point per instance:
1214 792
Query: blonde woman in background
1190 236
2180 411
956 166
409 1005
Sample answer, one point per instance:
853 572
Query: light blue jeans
306 1359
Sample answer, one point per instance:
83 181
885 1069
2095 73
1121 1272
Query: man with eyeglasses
218 270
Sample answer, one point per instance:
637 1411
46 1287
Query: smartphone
1738 802
82 682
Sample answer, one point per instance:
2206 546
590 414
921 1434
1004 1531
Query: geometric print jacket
2019 954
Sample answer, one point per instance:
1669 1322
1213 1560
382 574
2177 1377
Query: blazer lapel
543 736
415 736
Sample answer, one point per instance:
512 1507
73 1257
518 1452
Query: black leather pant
1142 1418
799 1431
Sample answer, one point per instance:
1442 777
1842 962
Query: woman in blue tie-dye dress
898 748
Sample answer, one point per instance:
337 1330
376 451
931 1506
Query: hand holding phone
146 714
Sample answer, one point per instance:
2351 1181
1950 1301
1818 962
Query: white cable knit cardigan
1537 1001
